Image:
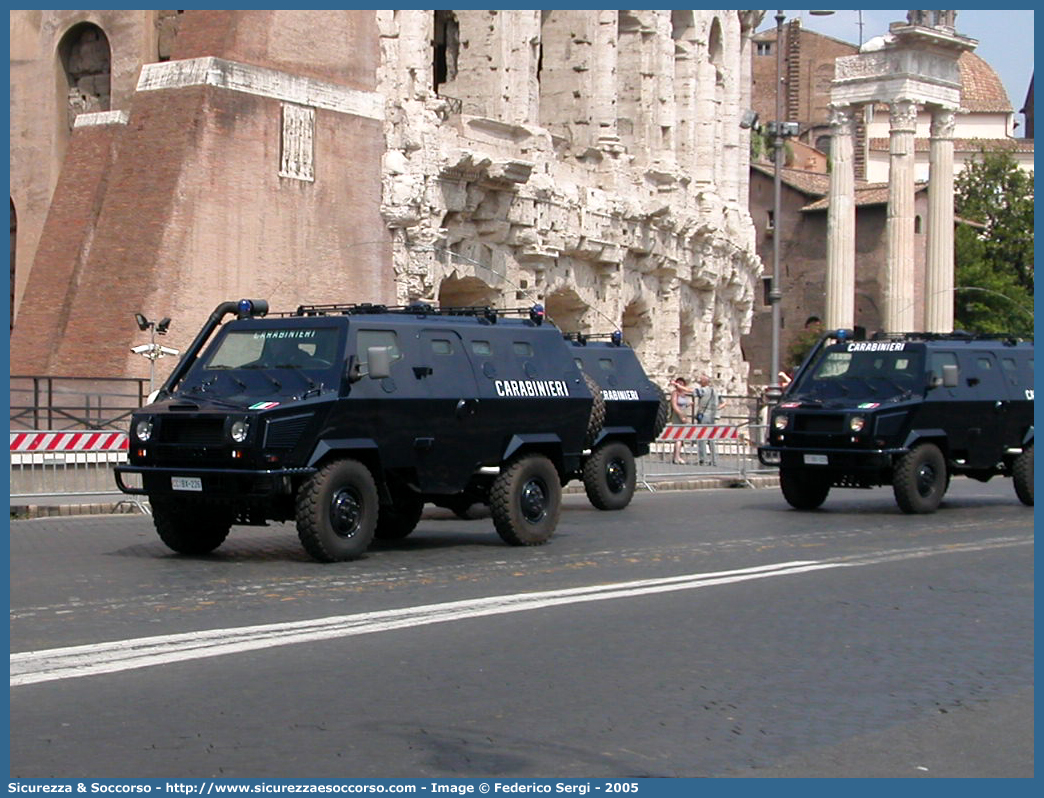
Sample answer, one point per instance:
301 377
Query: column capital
842 118
902 116
944 121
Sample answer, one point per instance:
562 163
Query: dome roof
981 88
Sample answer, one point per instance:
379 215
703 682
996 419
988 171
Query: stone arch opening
637 326
466 292
446 48
85 58
567 310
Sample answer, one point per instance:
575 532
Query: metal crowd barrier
60 467
706 450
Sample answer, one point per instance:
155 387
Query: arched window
446 48
85 59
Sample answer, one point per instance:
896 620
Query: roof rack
485 313
615 337
957 335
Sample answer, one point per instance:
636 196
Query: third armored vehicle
907 410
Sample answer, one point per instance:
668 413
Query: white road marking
31 667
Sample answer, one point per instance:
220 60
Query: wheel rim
926 479
616 475
534 500
345 512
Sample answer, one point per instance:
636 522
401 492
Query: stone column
840 277
899 276
603 80
938 278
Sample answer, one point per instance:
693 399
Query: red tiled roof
865 194
961 145
981 88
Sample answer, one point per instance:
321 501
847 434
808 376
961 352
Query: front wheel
609 476
189 530
525 501
1022 475
919 479
337 511
803 489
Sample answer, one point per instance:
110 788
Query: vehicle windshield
267 361
294 348
866 370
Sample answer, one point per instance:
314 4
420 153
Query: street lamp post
779 130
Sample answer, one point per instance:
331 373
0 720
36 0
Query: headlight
781 422
143 430
239 431
856 423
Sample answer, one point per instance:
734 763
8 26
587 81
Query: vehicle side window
482 348
441 346
370 338
1011 371
936 360
523 348
606 364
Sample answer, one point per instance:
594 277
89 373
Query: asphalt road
710 634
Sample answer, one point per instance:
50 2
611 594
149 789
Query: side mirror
950 377
379 360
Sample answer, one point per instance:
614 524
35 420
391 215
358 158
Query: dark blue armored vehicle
907 410
635 413
348 418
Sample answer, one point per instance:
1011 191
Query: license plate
186 483
815 459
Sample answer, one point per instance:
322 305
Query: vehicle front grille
819 422
284 433
192 431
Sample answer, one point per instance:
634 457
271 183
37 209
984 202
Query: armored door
450 448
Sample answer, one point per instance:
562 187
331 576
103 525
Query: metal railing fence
71 403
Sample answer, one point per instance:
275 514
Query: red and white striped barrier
30 442
699 432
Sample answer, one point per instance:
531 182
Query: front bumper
199 483
845 461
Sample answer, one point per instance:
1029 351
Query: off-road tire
663 413
1022 475
596 420
525 501
609 476
337 509
398 519
919 479
190 530
803 489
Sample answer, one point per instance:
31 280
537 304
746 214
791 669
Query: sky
1005 39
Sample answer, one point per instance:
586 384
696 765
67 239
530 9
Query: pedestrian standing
707 407
681 410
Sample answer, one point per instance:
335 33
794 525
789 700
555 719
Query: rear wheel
190 530
337 511
919 479
803 489
1022 474
398 519
525 501
609 476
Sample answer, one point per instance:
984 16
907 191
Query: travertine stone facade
589 160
